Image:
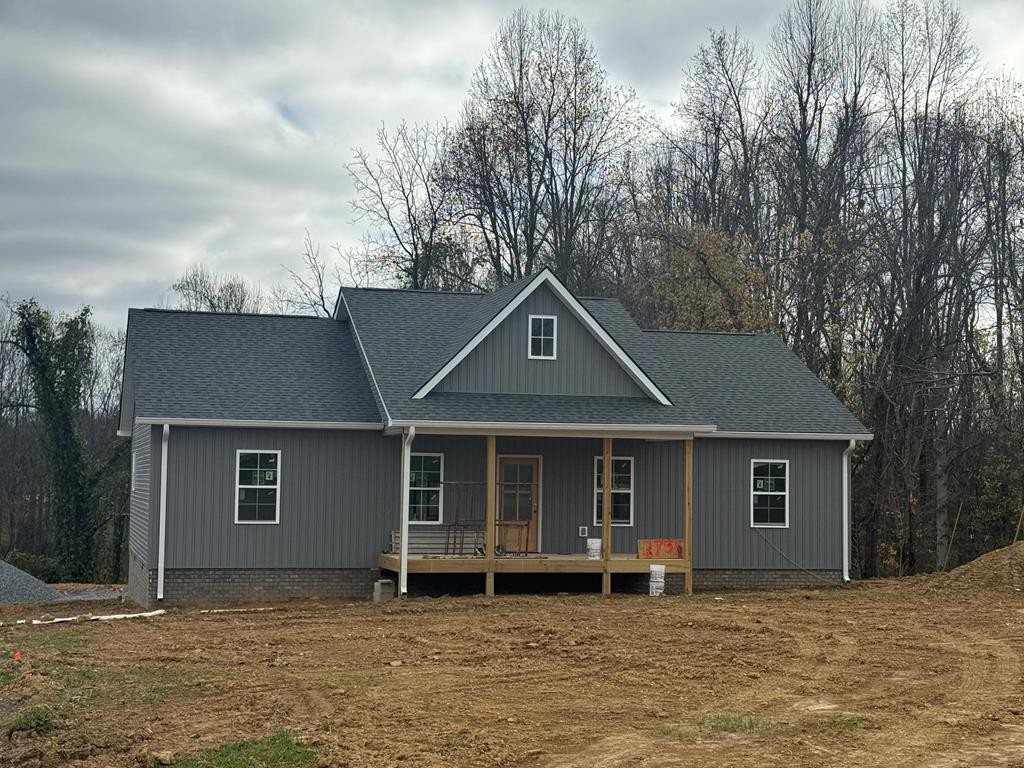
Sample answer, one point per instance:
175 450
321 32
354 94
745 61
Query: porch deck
533 563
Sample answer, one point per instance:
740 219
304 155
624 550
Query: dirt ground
918 672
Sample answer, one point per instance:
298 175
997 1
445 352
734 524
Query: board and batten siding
141 493
501 364
567 486
338 490
722 534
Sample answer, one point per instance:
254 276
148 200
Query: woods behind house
856 187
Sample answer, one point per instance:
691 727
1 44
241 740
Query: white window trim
277 486
440 493
632 480
753 493
554 337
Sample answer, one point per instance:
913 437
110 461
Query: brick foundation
713 580
225 586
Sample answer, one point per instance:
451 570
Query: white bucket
657 580
593 549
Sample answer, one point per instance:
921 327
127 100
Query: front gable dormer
541 340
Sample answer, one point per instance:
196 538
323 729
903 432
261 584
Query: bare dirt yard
917 672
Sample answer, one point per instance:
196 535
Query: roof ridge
413 290
171 311
708 333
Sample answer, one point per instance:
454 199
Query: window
426 494
259 477
769 504
622 490
543 337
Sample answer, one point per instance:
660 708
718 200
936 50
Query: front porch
527 504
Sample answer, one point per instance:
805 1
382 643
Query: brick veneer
716 579
208 586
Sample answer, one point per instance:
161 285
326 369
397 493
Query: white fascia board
362 352
124 433
581 313
792 435
552 429
265 423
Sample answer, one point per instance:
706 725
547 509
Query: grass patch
8 672
737 724
34 720
35 639
841 722
277 751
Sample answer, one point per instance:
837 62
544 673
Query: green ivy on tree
58 353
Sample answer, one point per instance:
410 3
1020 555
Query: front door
518 503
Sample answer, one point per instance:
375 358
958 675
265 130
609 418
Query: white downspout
403 566
163 513
847 470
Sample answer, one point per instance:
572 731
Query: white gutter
793 435
403 566
847 469
163 512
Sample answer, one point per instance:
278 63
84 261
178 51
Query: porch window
426 493
258 476
769 488
543 337
622 490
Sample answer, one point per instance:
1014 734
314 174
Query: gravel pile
16 586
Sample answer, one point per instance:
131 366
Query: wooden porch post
492 490
688 514
606 516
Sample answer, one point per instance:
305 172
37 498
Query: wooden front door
518 503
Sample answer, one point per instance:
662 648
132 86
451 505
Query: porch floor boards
529 564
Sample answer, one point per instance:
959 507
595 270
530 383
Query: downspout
847 470
163 513
403 566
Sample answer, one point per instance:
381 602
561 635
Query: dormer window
543 337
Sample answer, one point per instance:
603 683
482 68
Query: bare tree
201 290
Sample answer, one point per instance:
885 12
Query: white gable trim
546 277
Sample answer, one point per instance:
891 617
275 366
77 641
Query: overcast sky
137 138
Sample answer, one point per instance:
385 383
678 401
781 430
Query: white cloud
138 138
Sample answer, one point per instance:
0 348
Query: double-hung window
426 490
543 337
257 495
769 490
622 490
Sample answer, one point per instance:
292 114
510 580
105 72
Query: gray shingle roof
189 365
199 365
738 382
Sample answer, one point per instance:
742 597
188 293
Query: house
420 433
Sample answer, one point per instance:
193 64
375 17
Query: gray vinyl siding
141 495
339 494
567 486
722 534
500 364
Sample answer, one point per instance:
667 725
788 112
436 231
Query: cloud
139 138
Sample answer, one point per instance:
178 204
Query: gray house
473 437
